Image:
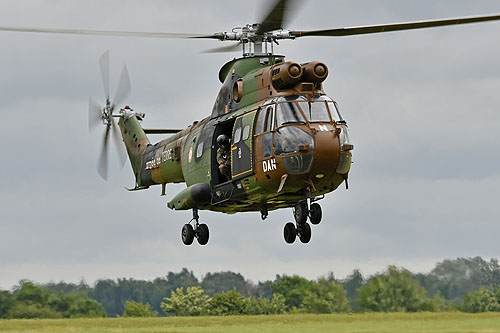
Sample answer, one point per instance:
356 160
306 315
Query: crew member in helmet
223 158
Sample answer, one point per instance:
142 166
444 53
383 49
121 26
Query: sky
422 107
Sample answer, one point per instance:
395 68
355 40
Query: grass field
377 322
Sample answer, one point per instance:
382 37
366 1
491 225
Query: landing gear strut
302 211
200 231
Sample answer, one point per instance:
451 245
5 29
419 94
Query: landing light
320 175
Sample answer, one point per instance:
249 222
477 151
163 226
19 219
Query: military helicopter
274 138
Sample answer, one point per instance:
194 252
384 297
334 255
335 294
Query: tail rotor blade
95 114
102 166
120 149
123 89
104 64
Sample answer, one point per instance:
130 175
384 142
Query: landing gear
302 211
187 234
200 231
202 234
290 233
315 213
263 212
304 233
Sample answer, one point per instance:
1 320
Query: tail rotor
104 114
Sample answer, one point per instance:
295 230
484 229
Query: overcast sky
423 109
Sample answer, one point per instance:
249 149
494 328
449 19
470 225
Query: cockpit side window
315 111
334 111
269 119
288 113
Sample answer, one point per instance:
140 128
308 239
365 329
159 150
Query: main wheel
203 234
315 213
300 213
290 233
305 233
187 234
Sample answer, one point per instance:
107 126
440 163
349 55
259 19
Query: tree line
464 284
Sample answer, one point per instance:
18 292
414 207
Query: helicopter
285 141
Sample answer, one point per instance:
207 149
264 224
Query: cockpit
284 128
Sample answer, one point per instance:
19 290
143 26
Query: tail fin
135 139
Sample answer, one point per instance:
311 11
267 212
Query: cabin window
315 111
246 132
237 135
266 144
199 150
288 113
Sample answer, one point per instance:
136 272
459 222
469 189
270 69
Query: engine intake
315 72
286 75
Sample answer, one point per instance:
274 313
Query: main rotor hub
254 42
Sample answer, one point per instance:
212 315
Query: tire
187 234
290 233
305 233
203 234
315 214
300 213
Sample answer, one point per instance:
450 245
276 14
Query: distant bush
482 300
30 300
137 309
192 303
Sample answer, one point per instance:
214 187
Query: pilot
223 143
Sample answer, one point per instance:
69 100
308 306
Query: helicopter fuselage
288 139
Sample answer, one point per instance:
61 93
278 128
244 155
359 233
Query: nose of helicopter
327 153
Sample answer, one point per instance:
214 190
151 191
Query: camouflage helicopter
274 138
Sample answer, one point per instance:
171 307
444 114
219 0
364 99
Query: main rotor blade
120 149
109 33
123 89
222 49
104 64
275 17
372 29
102 164
95 114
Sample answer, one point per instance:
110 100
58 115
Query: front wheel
315 213
290 233
203 234
305 233
187 234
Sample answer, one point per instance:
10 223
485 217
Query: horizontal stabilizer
137 188
161 131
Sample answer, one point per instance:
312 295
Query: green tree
6 303
293 288
227 303
22 310
395 291
214 283
481 300
351 284
137 309
454 278
326 296
193 303
29 292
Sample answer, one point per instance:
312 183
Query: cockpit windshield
288 113
315 111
